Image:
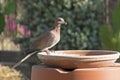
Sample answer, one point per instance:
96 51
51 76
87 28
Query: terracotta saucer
71 59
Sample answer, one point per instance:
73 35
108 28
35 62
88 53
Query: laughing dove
46 40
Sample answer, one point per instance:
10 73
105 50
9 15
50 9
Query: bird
45 41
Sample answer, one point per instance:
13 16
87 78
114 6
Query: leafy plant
6 73
5 9
110 34
83 17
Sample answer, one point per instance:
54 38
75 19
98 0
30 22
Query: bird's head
60 21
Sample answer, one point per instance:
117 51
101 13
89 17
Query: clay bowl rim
113 56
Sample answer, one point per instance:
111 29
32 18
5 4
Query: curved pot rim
113 56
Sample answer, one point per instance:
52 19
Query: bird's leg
53 51
47 52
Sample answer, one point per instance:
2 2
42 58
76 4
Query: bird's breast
56 37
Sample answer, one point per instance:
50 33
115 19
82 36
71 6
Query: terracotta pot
71 59
105 73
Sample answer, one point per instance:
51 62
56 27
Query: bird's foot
52 51
49 51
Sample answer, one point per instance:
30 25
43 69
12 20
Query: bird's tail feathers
25 58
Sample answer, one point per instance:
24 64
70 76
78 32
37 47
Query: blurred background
92 25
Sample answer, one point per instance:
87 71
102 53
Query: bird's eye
59 20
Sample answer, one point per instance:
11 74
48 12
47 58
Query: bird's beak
65 23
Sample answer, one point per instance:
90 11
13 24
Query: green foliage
2 22
8 8
116 19
110 35
106 33
83 18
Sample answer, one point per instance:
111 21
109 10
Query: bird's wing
44 41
